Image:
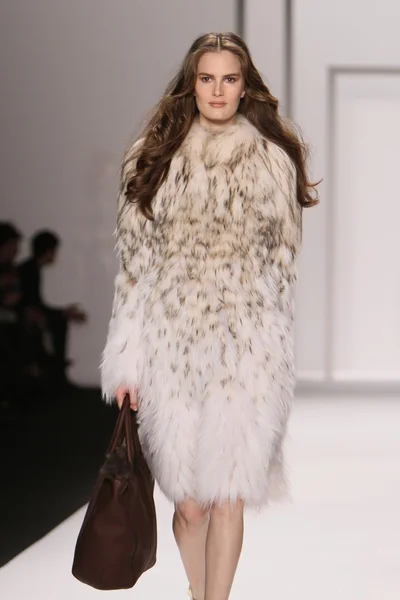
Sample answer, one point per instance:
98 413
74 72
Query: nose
218 89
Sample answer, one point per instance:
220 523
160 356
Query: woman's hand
121 392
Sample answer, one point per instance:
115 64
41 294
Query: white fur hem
123 356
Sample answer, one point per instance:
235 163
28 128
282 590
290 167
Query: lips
217 104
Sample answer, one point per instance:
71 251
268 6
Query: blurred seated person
44 249
23 360
10 239
10 293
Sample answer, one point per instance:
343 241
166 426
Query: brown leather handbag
117 542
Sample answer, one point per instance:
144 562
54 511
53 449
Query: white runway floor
339 538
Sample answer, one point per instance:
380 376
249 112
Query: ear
243 94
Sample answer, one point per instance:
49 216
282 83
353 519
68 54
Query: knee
191 514
227 511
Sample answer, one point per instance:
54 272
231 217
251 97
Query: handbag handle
124 422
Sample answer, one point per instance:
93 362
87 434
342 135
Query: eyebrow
228 75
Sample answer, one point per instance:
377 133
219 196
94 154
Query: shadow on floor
49 462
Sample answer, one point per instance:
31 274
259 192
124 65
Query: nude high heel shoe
190 593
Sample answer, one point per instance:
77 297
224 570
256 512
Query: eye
205 79
231 79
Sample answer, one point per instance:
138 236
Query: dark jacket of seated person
45 245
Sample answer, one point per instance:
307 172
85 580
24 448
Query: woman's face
219 88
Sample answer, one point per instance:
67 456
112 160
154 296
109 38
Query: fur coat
206 332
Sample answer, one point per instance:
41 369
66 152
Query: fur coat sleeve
283 236
123 340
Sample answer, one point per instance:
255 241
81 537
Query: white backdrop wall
346 97
77 78
265 33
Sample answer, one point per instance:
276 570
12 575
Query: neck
216 126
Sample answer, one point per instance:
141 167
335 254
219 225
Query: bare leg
223 547
190 525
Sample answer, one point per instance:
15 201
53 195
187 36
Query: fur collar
237 141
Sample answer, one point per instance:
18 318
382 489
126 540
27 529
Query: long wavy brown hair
173 116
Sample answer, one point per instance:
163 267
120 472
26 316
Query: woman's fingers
133 395
134 398
120 395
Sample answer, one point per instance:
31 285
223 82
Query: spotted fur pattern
206 333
